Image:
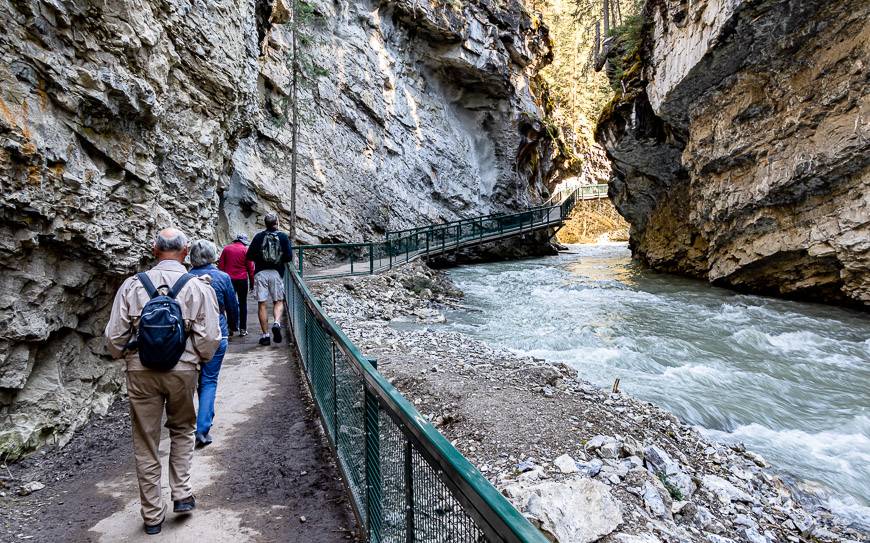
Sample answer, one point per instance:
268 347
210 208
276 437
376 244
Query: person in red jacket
241 271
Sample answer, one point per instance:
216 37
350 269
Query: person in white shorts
270 251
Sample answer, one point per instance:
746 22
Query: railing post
374 484
371 258
390 253
301 257
427 239
409 494
334 397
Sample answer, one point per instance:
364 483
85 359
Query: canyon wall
118 118
741 145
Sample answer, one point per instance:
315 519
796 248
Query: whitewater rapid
790 380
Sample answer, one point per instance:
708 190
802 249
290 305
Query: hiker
175 319
270 250
241 272
203 253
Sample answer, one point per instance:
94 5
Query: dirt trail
268 468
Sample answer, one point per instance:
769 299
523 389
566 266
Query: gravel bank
583 463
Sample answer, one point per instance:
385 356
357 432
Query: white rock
532 475
640 538
31 487
578 510
631 447
566 464
757 458
752 535
676 507
741 474
653 500
725 491
610 449
659 461
802 521
597 441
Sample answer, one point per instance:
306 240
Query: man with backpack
270 251
165 323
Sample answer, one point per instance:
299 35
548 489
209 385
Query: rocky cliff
118 118
741 145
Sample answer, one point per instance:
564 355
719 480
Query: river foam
790 380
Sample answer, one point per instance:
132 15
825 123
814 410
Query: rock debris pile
582 463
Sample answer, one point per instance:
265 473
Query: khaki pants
150 392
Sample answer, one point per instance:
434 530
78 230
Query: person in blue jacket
203 255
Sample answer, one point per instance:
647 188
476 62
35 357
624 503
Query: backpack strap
147 284
176 288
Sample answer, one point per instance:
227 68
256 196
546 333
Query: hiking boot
187 505
265 340
276 332
153 529
243 332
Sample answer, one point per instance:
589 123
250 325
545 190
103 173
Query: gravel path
268 476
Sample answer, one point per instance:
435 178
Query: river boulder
576 510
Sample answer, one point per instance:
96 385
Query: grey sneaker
187 505
243 332
202 440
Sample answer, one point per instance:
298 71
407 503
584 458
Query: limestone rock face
118 118
741 150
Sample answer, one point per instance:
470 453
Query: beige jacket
198 305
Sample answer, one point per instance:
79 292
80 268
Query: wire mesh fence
406 482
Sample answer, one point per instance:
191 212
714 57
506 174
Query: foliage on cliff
577 92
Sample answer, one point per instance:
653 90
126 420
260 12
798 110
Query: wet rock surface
741 146
118 118
532 425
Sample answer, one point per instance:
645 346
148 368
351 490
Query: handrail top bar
597 188
440 226
473 219
336 245
435 443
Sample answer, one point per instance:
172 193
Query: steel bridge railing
406 481
400 246
584 192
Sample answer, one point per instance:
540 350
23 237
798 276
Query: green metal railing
343 259
407 482
585 192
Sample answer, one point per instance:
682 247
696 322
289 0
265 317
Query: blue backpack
162 336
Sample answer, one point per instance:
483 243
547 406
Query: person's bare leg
278 310
263 315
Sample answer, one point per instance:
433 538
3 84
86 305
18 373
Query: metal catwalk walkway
343 259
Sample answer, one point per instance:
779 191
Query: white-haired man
152 391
